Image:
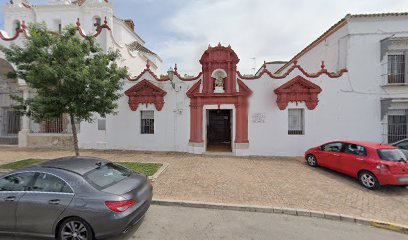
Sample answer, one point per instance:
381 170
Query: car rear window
394 155
107 175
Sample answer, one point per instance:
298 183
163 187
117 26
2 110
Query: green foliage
69 75
148 169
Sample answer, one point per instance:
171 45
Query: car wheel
369 180
75 229
311 160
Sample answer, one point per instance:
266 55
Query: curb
287 211
160 171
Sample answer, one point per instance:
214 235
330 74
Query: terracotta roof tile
377 15
136 46
79 2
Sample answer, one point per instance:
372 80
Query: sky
179 31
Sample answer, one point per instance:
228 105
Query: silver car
73 198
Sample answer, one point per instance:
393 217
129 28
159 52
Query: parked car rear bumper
391 179
122 223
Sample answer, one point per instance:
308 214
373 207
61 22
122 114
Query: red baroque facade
298 90
145 93
235 92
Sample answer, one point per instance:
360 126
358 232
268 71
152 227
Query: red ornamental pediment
145 92
298 90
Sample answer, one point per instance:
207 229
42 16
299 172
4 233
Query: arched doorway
10 121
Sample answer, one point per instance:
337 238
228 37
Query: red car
373 164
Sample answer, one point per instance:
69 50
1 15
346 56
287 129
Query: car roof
79 165
369 144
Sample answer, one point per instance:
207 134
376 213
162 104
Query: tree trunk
74 133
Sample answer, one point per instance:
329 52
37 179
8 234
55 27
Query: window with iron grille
147 122
397 125
102 124
296 122
396 69
53 125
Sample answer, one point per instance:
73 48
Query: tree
69 75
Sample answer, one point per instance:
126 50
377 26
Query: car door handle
360 159
54 202
10 199
336 155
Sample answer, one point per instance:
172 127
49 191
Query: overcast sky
180 30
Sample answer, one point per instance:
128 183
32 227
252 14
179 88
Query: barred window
396 69
397 125
296 122
102 124
147 122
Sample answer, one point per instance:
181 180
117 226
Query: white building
351 83
92 17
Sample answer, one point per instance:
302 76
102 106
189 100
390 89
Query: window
16 182
147 122
51 184
393 155
296 122
53 125
102 124
396 69
355 150
58 25
332 147
397 125
107 175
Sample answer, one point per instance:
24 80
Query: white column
25 128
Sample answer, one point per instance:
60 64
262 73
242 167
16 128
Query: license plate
404 179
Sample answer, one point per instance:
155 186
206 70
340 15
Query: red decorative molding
184 78
148 70
145 92
199 99
298 90
291 69
22 29
98 29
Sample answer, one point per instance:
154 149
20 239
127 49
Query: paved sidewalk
274 181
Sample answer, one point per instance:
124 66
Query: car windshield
394 155
107 175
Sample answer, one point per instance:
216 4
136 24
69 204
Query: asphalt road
168 223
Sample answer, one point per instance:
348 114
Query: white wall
124 129
348 109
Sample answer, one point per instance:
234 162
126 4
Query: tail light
383 167
120 206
